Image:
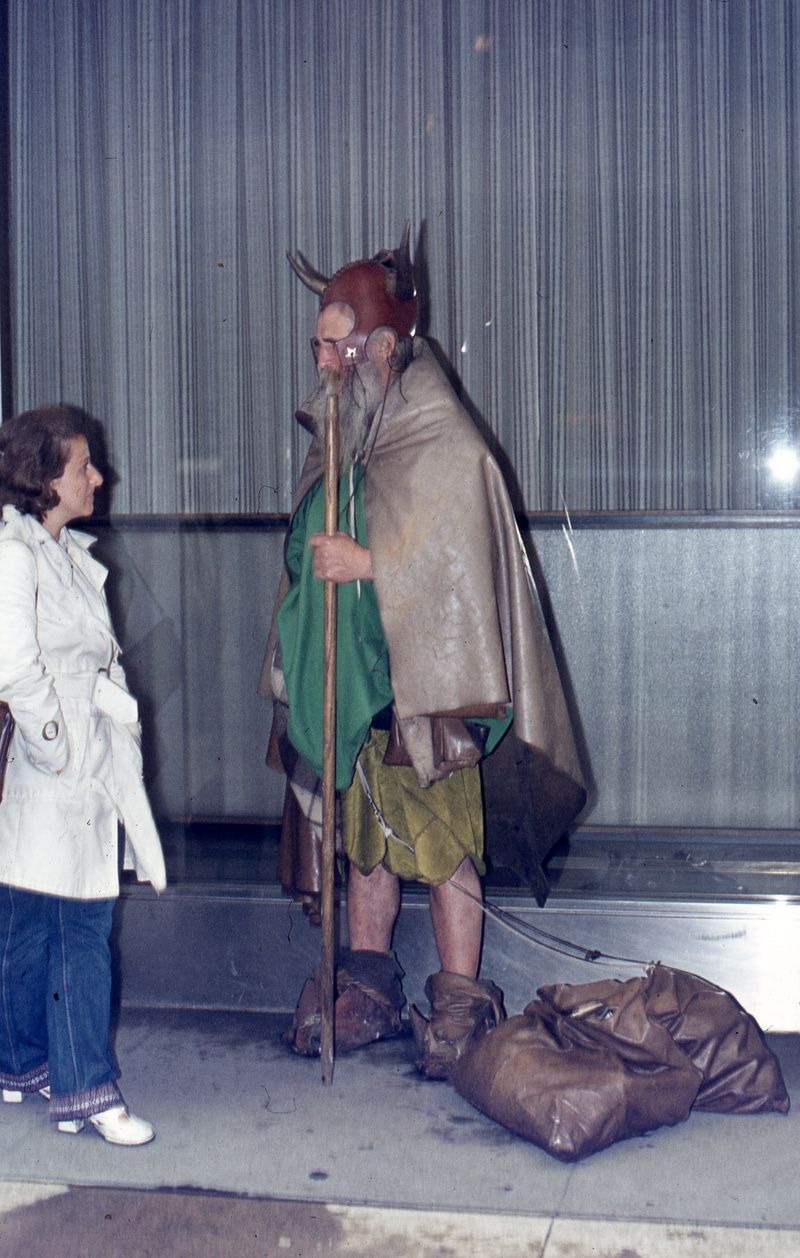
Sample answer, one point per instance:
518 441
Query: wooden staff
327 970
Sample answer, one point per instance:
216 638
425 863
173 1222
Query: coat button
50 731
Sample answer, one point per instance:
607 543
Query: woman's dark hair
34 450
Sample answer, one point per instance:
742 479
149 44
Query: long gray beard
360 394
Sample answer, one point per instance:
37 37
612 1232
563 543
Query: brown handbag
6 734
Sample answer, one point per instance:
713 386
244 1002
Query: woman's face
75 487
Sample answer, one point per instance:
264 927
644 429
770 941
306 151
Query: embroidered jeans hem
85 1104
31 1081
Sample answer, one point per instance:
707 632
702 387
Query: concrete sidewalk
253 1151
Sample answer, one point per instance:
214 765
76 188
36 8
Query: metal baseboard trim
250 949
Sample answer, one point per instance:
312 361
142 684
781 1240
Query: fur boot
368 1000
460 1007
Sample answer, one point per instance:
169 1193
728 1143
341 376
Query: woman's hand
339 558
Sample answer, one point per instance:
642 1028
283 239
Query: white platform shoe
12 1097
115 1125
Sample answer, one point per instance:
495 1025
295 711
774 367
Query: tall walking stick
331 491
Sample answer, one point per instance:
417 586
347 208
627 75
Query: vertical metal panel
681 646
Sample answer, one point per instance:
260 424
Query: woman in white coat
73 774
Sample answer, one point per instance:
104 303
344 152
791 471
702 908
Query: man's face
334 323
360 389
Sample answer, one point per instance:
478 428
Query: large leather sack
569 1086
741 1074
586 1065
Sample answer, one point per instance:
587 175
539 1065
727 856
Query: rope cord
543 938
509 921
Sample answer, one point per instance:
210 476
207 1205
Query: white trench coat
74 767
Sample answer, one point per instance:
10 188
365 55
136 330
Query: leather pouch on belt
457 744
114 701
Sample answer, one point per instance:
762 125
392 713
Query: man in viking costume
441 648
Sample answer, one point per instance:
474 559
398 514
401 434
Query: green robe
363 687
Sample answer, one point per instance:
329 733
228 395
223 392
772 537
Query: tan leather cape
457 599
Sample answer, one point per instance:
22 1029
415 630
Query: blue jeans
55 984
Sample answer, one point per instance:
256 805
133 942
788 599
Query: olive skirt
422 833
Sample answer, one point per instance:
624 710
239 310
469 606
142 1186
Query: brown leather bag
6 734
588 1064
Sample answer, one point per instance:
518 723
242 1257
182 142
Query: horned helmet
380 291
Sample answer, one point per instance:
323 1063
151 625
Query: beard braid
360 394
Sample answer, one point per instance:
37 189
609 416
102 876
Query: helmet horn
405 271
304 271
400 279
